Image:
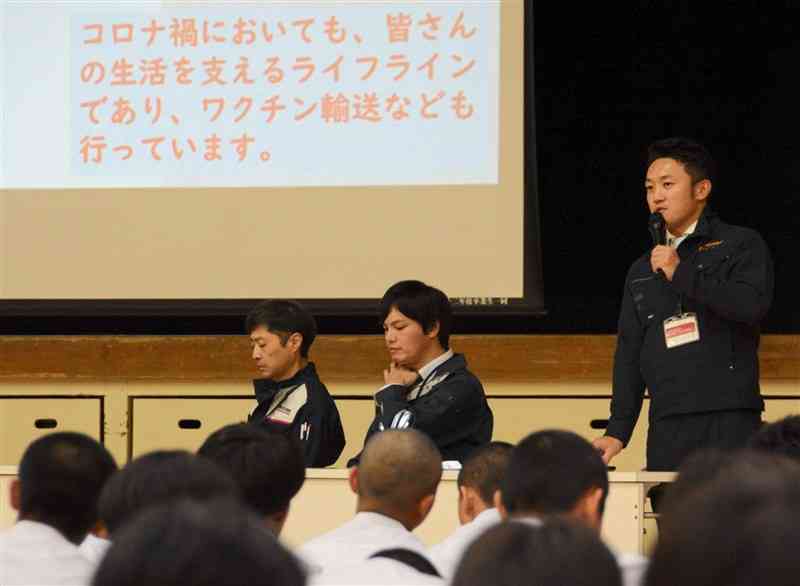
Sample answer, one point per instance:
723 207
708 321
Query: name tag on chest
681 329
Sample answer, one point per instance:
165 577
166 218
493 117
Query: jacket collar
266 388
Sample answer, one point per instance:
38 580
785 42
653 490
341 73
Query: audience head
696 472
281 333
479 479
562 551
268 467
397 475
780 437
59 481
737 529
416 320
197 544
160 477
555 472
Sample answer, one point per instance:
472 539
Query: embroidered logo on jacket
709 245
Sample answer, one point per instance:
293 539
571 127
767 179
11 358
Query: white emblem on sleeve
402 420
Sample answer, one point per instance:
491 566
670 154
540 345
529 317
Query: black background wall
610 78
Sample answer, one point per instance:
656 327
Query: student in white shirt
152 479
478 480
560 552
396 482
59 480
559 473
187 543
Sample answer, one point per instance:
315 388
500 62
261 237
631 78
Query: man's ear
425 506
353 479
15 491
295 341
498 504
100 530
588 508
433 332
702 189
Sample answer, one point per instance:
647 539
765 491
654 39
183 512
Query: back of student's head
780 437
550 471
283 318
60 479
738 528
485 469
159 477
560 552
399 468
696 473
197 544
268 467
424 304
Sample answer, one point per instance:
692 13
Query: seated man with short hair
478 480
152 479
291 397
427 386
268 467
559 473
562 552
59 480
396 484
187 543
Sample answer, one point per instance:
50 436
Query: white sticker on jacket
283 408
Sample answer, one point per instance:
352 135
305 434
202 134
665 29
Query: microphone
658 232
658 228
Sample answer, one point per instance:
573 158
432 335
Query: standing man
689 323
291 398
428 387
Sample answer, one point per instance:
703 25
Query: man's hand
666 259
608 446
399 375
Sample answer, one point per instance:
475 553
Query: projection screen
174 156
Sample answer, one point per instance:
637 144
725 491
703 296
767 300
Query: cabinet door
517 417
181 423
24 419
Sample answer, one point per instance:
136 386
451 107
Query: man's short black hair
269 467
283 318
159 477
424 304
61 476
780 437
560 552
197 544
691 154
549 471
485 468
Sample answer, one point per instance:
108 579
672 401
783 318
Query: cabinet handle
189 424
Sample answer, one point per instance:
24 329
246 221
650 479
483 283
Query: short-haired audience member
478 480
562 552
268 467
291 397
556 472
427 386
198 544
59 481
779 437
395 483
152 479
740 529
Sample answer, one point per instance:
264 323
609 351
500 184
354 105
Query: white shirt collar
435 363
675 241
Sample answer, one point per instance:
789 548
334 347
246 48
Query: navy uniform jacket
301 407
451 409
726 277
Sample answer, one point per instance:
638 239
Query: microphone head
658 228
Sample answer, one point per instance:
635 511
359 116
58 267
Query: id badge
681 329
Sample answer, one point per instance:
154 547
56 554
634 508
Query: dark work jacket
453 413
725 276
301 407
